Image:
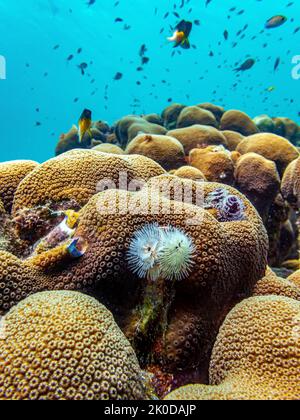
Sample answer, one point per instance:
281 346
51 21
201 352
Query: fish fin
185 44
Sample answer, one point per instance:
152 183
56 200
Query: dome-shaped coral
291 183
129 127
193 115
66 346
256 355
198 136
234 120
165 150
109 148
233 139
189 172
11 174
271 147
273 285
77 175
258 179
215 162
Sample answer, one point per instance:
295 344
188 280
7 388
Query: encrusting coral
256 355
66 346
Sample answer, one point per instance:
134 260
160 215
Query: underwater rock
198 136
193 115
11 175
256 355
265 124
101 365
234 120
215 163
272 147
258 179
165 150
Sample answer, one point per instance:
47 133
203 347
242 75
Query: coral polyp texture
256 355
11 174
185 226
66 346
76 175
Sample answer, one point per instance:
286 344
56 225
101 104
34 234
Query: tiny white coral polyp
177 255
143 252
161 252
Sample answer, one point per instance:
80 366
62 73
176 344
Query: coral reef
198 136
256 355
185 225
66 346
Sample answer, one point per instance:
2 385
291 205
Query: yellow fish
85 124
181 35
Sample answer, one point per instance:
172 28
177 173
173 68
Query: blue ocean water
38 96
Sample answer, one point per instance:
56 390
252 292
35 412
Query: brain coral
11 174
238 121
198 136
75 175
165 150
66 346
256 355
272 147
291 183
